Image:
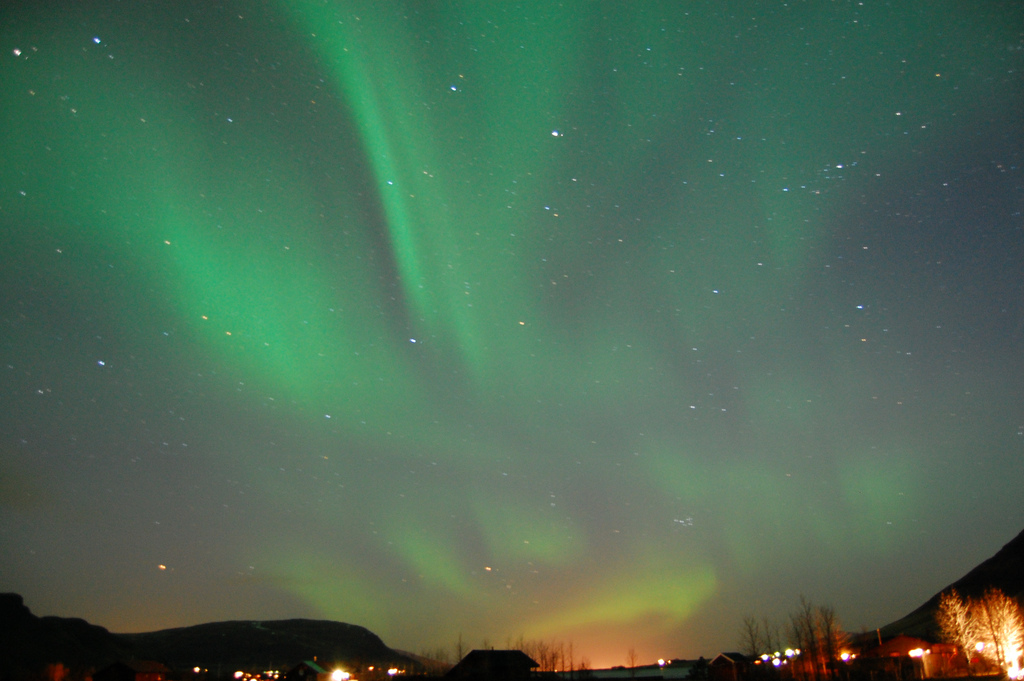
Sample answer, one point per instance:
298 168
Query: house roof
495 663
312 665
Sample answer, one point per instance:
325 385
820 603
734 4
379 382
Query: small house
307 670
493 665
729 667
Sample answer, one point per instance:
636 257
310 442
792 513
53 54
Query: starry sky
609 323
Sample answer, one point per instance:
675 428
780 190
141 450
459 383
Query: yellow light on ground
916 652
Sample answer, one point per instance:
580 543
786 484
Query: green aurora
605 322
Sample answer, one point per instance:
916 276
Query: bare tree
751 637
437 660
816 632
540 654
954 619
772 635
832 639
543 653
804 632
550 656
994 622
631 662
999 625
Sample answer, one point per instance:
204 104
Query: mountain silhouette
29 643
271 644
1004 570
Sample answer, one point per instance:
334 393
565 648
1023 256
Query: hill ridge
28 643
1004 570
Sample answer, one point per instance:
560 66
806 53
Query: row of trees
553 656
813 630
991 626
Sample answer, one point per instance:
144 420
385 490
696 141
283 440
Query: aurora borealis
604 322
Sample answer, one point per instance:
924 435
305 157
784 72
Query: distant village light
338 675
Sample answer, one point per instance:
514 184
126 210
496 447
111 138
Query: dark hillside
29 643
1004 570
277 644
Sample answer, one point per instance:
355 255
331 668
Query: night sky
600 322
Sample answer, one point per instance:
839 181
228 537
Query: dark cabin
729 667
308 670
493 665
